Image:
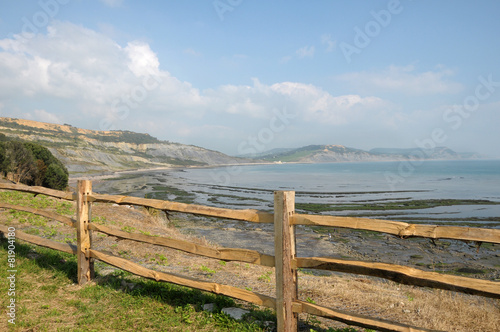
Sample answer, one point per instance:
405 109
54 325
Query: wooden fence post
284 253
83 217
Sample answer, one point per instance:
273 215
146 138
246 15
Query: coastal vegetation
31 164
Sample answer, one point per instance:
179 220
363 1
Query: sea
472 185
399 191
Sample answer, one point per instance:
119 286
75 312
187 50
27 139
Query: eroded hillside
91 151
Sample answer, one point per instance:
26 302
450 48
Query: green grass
37 202
48 300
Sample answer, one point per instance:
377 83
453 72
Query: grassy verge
48 300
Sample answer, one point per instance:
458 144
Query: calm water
345 183
240 187
452 179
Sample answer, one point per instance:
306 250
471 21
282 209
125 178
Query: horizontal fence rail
51 215
226 254
40 241
404 275
39 190
285 262
402 229
140 270
355 319
207 211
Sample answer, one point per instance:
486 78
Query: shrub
55 177
32 164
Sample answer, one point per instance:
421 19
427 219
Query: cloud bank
76 75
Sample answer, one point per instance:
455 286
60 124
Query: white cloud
142 60
43 116
88 70
317 105
78 76
404 80
306 51
310 103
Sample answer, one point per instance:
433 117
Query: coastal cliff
85 151
91 151
340 153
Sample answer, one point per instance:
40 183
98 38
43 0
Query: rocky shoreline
447 256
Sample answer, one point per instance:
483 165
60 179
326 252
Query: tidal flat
447 256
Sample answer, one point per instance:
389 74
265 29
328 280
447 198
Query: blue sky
243 76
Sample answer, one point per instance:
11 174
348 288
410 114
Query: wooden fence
286 304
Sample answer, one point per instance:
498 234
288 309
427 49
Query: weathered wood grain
83 217
402 229
355 319
64 247
284 250
246 215
404 275
51 215
226 254
39 190
237 293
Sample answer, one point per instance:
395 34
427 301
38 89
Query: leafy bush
55 177
32 164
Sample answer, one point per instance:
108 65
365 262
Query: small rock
235 313
401 304
406 311
391 306
33 255
127 285
209 307
268 324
